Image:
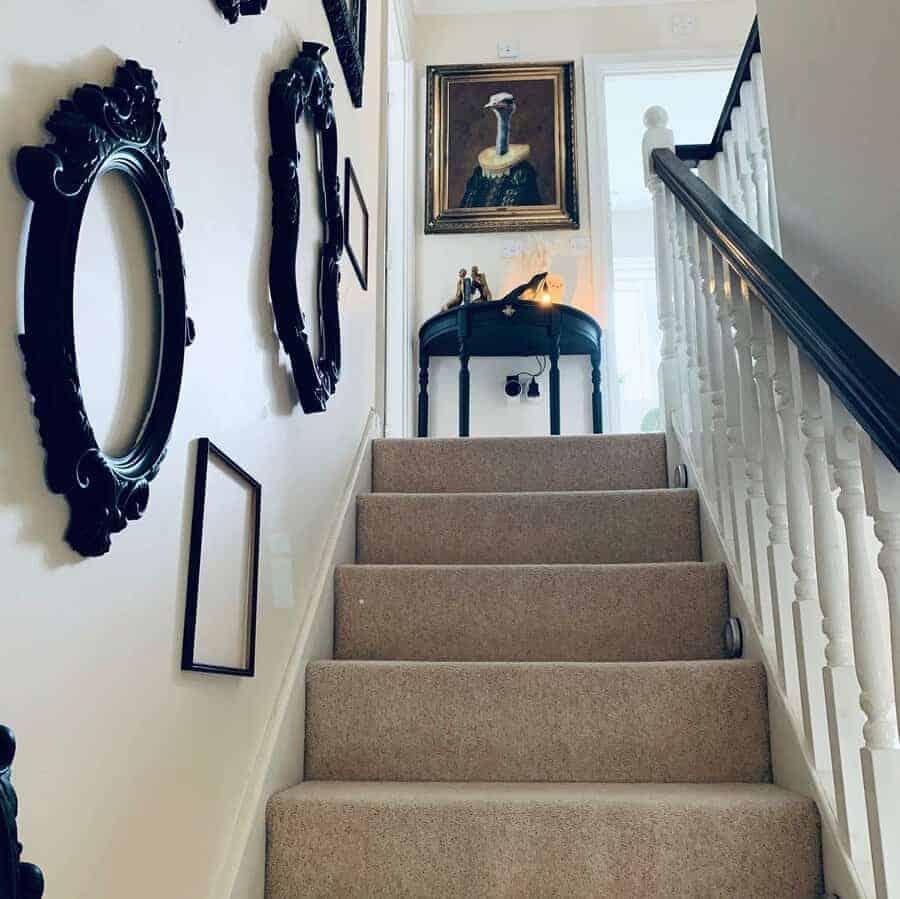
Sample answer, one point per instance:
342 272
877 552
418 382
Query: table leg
423 396
554 392
596 396
463 395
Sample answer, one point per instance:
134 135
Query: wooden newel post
463 331
554 372
596 395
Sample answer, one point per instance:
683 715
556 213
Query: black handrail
865 383
694 153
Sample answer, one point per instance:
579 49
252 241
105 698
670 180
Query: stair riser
530 613
640 723
548 528
481 848
479 465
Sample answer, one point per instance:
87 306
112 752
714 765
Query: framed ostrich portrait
500 148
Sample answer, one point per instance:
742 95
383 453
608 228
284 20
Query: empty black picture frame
355 205
206 448
347 19
119 129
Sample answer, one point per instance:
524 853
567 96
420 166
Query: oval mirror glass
117 313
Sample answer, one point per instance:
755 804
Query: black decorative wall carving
100 130
305 87
347 19
18 879
234 9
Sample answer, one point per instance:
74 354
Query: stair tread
615 526
576 612
537 721
457 464
572 840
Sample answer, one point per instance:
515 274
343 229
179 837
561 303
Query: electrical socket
507 49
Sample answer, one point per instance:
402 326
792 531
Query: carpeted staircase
529 697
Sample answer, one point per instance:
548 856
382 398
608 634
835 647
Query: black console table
509 328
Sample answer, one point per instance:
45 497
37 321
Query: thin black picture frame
360 265
205 449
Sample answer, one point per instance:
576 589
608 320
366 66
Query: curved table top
510 328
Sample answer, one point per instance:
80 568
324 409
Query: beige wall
722 25
131 773
832 71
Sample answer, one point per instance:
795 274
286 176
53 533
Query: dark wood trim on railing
694 153
865 383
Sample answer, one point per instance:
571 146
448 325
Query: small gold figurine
479 283
460 292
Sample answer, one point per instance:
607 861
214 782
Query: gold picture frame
514 186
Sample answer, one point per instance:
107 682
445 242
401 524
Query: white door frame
597 67
400 227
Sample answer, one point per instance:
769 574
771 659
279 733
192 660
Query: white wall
559 35
832 70
130 772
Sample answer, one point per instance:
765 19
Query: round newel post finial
658 136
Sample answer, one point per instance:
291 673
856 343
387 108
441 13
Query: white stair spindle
690 328
700 331
871 647
720 166
759 84
748 189
882 487
737 460
757 522
845 719
781 578
735 194
681 349
809 636
758 165
659 136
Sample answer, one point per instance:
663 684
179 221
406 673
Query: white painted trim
793 769
474 7
597 67
253 801
405 17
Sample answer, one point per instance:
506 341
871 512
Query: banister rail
866 384
695 153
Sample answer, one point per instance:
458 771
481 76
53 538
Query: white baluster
882 486
758 165
659 136
810 638
690 329
778 553
720 166
735 194
845 719
681 350
748 190
757 522
759 84
706 447
737 460
871 646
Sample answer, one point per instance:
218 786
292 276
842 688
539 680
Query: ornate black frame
349 35
359 257
234 9
205 449
101 129
18 879
305 87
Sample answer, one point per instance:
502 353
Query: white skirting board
791 766
279 762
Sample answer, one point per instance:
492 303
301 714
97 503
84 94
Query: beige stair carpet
578 613
529 698
542 841
514 464
498 528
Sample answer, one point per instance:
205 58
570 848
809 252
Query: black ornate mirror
234 9
101 130
305 88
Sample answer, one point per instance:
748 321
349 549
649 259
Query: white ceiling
473 7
